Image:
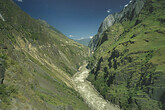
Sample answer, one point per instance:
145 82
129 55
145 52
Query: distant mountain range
84 41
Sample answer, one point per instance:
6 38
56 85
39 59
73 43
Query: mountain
129 12
128 64
36 63
84 41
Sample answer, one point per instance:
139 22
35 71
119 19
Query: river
87 91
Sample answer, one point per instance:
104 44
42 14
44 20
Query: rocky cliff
36 63
128 66
130 11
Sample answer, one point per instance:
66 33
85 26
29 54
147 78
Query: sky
74 18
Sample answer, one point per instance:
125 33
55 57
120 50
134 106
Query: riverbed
87 91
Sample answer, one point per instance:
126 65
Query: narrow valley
122 68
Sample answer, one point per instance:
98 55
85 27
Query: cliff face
36 63
128 66
2 70
129 12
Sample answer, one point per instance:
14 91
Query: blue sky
74 18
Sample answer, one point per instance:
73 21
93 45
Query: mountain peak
130 11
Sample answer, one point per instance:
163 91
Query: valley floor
90 95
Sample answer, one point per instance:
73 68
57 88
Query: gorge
123 67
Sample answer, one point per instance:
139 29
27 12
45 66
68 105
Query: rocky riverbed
90 95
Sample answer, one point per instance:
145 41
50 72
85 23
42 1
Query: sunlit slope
128 67
36 62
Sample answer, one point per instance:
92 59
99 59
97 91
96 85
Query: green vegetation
5 93
130 61
36 63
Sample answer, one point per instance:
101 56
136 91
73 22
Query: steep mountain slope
129 12
36 62
128 68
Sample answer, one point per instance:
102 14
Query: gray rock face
129 12
2 71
